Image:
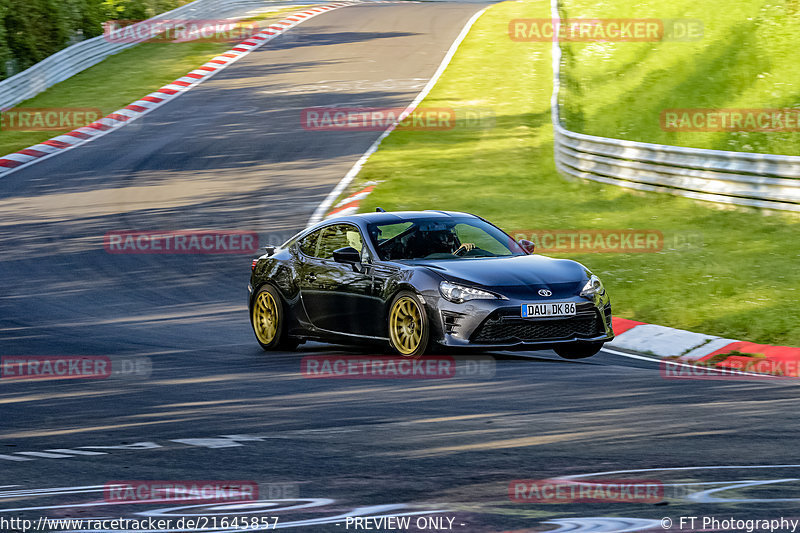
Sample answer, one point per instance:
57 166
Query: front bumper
499 324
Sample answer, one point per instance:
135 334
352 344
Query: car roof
388 217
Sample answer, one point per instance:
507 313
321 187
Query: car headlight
592 287
460 294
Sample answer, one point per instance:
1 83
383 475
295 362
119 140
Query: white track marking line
51 491
45 455
675 469
134 446
14 458
76 452
675 363
356 168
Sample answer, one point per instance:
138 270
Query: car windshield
441 238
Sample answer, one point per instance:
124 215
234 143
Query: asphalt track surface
231 154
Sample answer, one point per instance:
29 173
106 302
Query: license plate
548 309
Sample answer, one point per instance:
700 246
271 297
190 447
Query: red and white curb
154 100
690 347
351 204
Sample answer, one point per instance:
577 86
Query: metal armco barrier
739 178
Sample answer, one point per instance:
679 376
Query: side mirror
527 245
347 254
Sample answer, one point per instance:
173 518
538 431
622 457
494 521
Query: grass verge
726 272
745 59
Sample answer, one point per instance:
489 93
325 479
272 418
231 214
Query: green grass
119 80
747 58
738 279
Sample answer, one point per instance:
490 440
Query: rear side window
322 243
309 243
338 236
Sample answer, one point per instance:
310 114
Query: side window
354 239
338 236
309 243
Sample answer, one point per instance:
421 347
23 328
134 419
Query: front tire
578 350
267 317
409 329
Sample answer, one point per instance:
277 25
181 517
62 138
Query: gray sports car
424 280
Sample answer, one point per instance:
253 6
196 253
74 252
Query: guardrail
739 178
80 56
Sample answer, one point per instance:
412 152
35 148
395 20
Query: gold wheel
405 325
265 317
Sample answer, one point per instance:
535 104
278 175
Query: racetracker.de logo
697 120
48 118
377 118
569 491
734 368
55 366
582 241
180 491
605 30
377 367
181 242
177 30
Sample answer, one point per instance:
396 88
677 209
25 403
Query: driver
446 241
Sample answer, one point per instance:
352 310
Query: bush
31 30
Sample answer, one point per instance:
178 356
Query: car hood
518 276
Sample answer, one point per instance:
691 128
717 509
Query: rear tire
267 316
409 329
578 350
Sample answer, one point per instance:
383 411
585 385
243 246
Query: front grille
500 330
